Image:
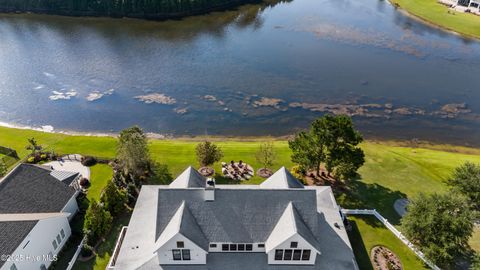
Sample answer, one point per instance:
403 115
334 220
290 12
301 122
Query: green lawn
100 174
433 12
390 172
368 232
104 251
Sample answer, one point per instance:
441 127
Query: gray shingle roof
240 216
31 189
12 234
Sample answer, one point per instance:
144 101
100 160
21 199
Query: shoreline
431 23
438 146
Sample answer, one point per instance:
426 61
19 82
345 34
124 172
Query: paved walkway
70 166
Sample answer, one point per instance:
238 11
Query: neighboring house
469 3
35 208
195 224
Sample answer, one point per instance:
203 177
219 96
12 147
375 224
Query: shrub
208 153
84 182
31 160
43 156
87 250
88 161
114 198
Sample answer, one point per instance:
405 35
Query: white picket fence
75 256
394 230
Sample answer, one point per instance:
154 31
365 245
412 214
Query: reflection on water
260 69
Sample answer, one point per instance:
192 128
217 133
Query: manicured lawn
100 174
436 13
390 171
368 232
104 251
475 241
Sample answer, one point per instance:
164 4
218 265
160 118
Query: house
473 4
35 209
194 224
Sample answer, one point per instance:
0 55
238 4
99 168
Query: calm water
259 70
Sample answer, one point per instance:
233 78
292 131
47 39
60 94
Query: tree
440 225
475 262
3 168
97 222
266 155
331 140
160 175
113 198
466 180
132 152
208 153
33 146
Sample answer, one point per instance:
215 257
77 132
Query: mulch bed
383 258
206 171
264 172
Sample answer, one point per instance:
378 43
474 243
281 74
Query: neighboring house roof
281 179
236 215
31 189
12 234
189 178
65 177
289 224
184 222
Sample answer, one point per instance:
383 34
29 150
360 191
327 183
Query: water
265 69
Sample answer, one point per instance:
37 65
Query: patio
70 163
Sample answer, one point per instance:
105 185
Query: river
266 69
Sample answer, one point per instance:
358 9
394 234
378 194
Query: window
261 245
241 247
186 254
278 254
224 247
62 232
180 244
13 267
59 240
306 255
54 243
297 254
293 244
177 256
43 267
248 247
233 247
287 256
213 245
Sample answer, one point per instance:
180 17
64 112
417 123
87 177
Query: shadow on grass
361 253
359 195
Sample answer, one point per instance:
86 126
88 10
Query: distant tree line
148 9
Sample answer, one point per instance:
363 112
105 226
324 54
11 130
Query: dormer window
293 244
180 244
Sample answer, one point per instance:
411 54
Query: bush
86 251
31 160
98 222
114 198
84 182
43 156
89 161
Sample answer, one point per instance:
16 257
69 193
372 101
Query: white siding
39 240
302 244
197 255
71 206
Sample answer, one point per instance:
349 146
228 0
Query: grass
392 170
368 232
100 174
435 13
105 249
